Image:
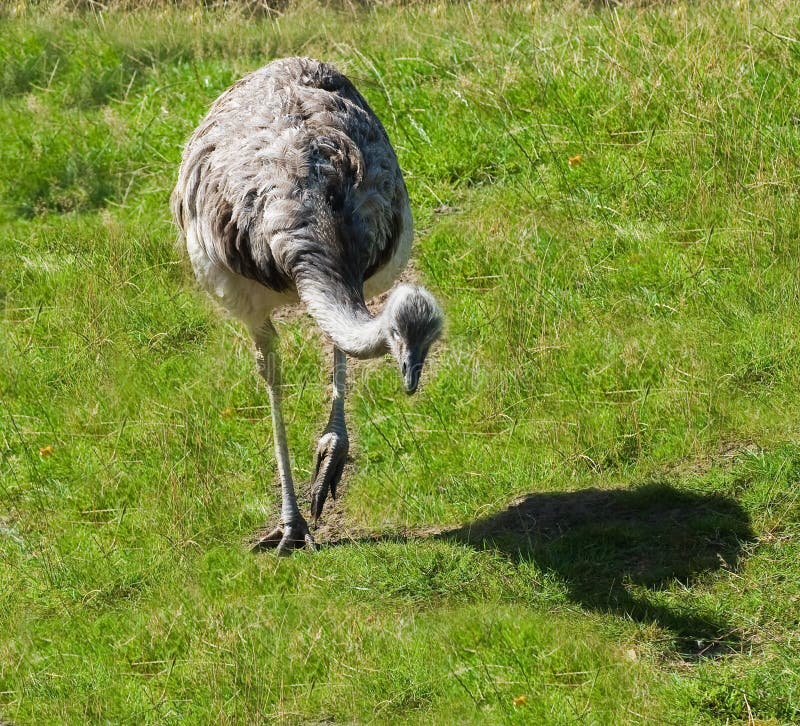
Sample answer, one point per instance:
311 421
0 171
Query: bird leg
333 444
292 532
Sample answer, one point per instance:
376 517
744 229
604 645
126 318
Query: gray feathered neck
411 312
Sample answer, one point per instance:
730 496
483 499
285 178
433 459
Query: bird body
289 190
291 175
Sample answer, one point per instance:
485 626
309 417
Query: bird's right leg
292 532
333 444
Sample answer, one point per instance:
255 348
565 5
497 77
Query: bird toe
286 538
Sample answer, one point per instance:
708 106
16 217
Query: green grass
619 368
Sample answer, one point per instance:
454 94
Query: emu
290 191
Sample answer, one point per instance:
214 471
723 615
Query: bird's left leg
333 444
293 532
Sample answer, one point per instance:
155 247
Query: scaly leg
292 533
333 444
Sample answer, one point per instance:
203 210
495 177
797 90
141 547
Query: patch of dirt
333 524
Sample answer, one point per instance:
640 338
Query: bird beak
412 368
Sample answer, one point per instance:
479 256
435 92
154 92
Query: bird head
413 321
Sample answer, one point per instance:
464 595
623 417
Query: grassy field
588 515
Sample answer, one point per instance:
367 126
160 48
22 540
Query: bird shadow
605 546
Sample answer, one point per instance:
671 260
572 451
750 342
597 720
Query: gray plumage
290 189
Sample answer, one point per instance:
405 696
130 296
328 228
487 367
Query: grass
592 503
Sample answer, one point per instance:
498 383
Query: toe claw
317 501
331 458
337 475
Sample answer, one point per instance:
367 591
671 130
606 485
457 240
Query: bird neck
343 315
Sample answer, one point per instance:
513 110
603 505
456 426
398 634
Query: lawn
590 512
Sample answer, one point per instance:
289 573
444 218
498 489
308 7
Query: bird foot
331 458
285 538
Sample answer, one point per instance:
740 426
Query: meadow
589 513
